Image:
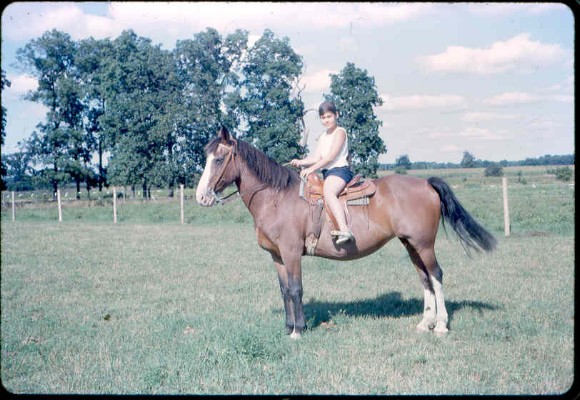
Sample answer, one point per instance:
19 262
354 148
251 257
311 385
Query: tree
59 144
468 160
21 176
493 169
563 174
403 162
90 59
354 93
137 86
5 83
269 112
206 68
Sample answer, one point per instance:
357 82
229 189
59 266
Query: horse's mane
262 166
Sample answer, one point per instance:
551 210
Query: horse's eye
219 161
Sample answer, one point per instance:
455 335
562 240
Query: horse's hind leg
434 312
436 276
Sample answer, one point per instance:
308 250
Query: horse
408 208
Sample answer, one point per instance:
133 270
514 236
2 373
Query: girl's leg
333 185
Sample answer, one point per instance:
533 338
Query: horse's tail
470 232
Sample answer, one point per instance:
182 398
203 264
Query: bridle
216 178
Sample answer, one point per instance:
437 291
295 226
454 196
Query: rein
223 200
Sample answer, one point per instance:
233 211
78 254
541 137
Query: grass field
150 306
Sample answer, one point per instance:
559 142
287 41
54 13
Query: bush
493 170
563 174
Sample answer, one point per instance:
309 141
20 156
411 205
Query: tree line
470 161
126 112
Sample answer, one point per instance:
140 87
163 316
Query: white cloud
544 124
449 148
516 54
480 133
24 20
317 82
479 116
506 9
513 98
563 87
415 102
180 20
561 98
21 84
470 132
380 14
347 44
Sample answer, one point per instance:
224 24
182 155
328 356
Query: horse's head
220 170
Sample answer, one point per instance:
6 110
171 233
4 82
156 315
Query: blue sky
494 79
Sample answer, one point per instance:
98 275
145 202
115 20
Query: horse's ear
225 136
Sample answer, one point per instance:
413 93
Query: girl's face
329 120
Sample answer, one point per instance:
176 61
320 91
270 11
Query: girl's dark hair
327 106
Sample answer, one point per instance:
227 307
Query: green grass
184 309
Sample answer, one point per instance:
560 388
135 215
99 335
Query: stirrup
343 236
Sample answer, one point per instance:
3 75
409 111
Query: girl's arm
309 160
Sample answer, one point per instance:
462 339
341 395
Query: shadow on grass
390 305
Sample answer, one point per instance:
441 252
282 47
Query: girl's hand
296 162
306 171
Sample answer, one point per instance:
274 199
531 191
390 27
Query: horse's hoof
440 330
424 326
295 335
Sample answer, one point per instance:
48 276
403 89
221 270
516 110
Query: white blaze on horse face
202 194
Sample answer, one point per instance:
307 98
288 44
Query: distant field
538 203
150 306
531 174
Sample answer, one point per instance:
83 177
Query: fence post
114 205
13 208
506 211
181 201
59 205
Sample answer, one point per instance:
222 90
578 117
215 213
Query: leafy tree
19 172
90 59
206 74
354 93
5 83
563 174
59 143
136 89
468 160
269 112
403 162
493 170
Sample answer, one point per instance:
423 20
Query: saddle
356 192
356 189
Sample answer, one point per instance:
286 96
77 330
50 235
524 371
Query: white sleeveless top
325 144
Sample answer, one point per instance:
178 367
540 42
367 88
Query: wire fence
531 207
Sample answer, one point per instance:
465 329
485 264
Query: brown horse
405 207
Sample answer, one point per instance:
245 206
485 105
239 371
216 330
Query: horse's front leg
284 289
292 264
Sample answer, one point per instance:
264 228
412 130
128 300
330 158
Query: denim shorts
342 172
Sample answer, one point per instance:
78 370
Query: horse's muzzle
207 199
